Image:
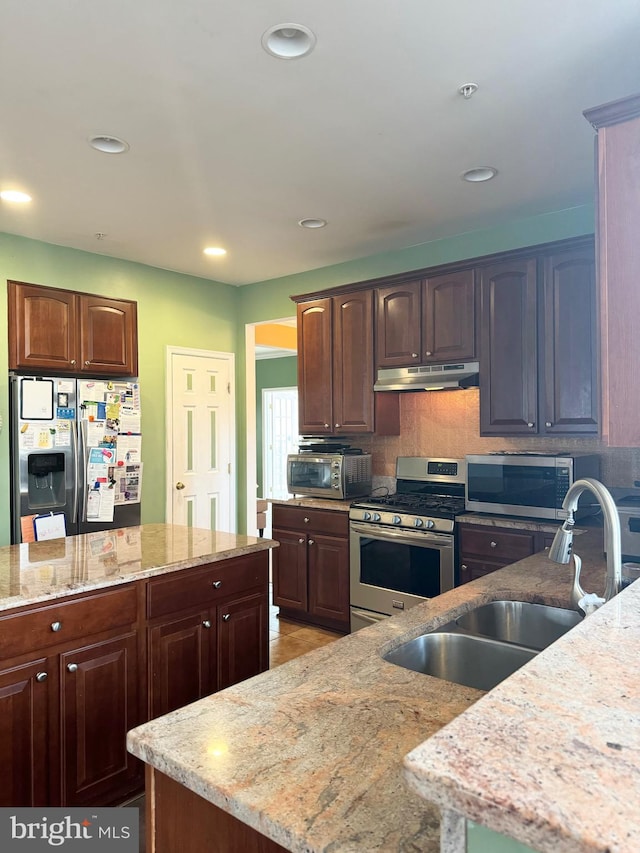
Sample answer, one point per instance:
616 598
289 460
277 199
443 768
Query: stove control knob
417 522
396 519
376 516
429 524
366 516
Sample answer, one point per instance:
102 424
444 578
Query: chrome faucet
561 547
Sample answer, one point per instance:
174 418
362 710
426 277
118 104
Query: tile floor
287 640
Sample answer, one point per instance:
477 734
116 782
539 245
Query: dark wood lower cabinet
65 711
484 549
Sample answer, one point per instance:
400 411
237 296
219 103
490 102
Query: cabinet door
290 569
398 341
315 374
353 363
99 695
508 348
242 639
182 655
448 318
108 336
569 392
25 733
329 579
42 328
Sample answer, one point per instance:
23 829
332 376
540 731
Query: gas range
429 495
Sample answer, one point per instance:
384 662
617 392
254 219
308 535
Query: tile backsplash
448 424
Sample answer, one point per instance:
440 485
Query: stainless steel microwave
530 485
333 475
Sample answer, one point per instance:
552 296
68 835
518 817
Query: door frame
202 353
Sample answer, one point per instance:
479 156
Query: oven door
392 570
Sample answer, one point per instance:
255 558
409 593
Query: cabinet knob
306 521
548 424
206 624
337 426
415 355
226 617
464 568
72 667
493 544
428 352
56 626
326 426
301 541
530 425
216 584
41 676
87 363
310 541
73 361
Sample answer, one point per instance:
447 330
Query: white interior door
200 436
279 438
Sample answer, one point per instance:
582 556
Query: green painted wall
173 309
271 373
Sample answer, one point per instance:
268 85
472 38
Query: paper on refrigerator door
128 484
129 449
129 420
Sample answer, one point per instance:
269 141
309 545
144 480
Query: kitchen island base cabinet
179 820
311 566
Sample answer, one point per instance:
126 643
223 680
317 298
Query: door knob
179 486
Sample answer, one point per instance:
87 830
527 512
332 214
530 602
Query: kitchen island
101 631
309 757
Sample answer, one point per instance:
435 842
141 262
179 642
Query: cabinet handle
206 624
530 425
310 541
428 352
493 544
226 617
415 355
56 626
306 521
216 584
548 424
87 363
72 667
41 676
464 568
301 541
73 361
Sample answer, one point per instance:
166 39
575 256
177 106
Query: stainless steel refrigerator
75 455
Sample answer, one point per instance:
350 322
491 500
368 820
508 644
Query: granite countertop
551 756
311 753
315 503
40 571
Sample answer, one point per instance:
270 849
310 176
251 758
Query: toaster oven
333 475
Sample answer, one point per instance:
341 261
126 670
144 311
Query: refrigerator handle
76 466
81 470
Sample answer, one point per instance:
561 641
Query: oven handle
426 539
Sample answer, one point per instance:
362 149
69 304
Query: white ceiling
231 146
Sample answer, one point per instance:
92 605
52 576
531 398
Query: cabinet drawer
23 633
200 586
334 523
499 545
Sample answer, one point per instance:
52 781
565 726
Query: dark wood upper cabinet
398 337
618 211
335 369
428 321
70 332
569 390
508 348
448 317
538 344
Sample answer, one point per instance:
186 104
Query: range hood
428 377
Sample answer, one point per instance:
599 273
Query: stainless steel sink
533 625
473 661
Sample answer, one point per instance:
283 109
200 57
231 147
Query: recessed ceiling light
482 173
215 250
312 223
288 41
109 144
15 196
